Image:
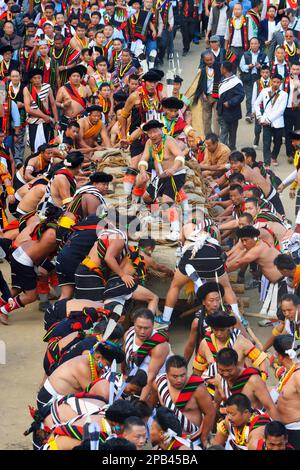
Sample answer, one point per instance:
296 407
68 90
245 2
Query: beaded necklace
84 43
124 70
290 52
286 377
11 92
158 150
237 28
93 368
59 55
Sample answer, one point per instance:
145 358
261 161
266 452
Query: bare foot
4 319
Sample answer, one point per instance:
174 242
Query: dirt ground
22 374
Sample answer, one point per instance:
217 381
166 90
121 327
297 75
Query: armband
10 190
222 428
200 363
294 186
67 200
143 163
180 159
29 167
66 222
275 332
256 356
124 113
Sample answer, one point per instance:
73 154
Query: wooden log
259 315
254 338
189 312
238 288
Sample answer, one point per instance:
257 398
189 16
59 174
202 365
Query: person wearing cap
7 64
210 296
39 104
216 49
79 40
218 16
72 97
222 334
274 101
78 373
174 125
48 66
91 128
184 112
141 105
169 167
10 38
89 198
65 57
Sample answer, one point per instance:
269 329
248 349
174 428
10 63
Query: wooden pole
186 313
259 315
254 337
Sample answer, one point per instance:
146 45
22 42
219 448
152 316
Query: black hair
237 176
133 76
59 37
282 343
139 379
119 106
227 357
120 410
142 409
166 419
256 193
276 429
237 156
284 261
133 421
240 400
103 85
143 313
143 242
255 3
118 443
271 6
290 298
176 361
248 217
96 13
234 187
253 200
81 25
228 65
73 124
213 137
249 152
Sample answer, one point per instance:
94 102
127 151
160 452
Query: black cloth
166 187
207 261
294 438
234 97
55 313
22 277
115 287
88 284
188 26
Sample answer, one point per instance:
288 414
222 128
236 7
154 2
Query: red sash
70 178
187 392
75 95
241 381
36 98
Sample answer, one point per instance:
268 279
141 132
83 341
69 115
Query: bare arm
250 256
33 112
190 345
126 112
53 106
158 357
207 407
261 393
105 138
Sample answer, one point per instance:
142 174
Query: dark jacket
14 41
218 60
234 97
263 31
249 76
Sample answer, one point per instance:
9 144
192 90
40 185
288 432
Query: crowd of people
80 81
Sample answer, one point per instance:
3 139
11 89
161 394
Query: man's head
245 219
100 38
289 36
101 64
143 323
285 264
117 46
265 72
227 363
236 160
35 76
237 178
251 206
236 194
60 19
238 10
133 83
6 52
49 30
43 49
136 383
153 129
164 420
295 71
272 12
282 345
254 45
108 31
47 152
250 155
208 59
105 352
238 409
101 181
147 245
135 431
59 41
49 11
276 436
72 130
75 75
81 30
74 161
148 4
289 306
8 28
280 54
256 5
284 22
210 295
252 192
118 413
110 8
221 323
15 77
176 369
136 4
171 107
95 18
227 69
104 90
211 142
177 84
248 235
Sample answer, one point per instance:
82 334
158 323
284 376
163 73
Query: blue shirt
246 5
15 114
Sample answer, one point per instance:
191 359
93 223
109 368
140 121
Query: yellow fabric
10 190
261 358
52 443
124 114
294 185
222 428
89 263
275 332
93 131
253 354
264 376
66 222
200 363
